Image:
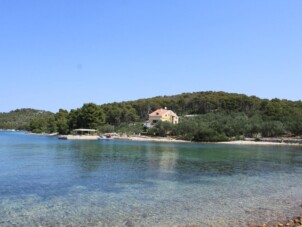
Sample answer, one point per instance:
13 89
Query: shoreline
280 141
265 142
293 221
150 139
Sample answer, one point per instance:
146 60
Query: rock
253 224
280 225
128 223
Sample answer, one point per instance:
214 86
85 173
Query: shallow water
50 182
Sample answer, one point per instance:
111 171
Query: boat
107 136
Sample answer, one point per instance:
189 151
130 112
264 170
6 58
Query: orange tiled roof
158 112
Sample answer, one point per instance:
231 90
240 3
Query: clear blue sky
60 54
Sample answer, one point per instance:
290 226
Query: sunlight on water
45 181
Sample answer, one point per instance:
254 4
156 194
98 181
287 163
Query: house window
154 121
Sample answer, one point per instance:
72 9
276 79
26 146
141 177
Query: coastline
248 141
265 142
150 139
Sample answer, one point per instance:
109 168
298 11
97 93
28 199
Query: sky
64 53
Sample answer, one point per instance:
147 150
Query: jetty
81 134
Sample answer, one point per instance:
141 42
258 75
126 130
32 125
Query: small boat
107 136
104 138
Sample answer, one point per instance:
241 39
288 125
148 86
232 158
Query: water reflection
137 161
144 183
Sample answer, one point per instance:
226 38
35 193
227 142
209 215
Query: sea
49 182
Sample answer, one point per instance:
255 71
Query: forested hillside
21 118
216 116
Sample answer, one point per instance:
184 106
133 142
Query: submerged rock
128 223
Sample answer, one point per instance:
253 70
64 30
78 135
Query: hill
206 102
217 116
220 115
20 119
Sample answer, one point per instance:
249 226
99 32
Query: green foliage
163 128
209 135
20 119
62 118
239 137
272 128
130 129
114 115
43 124
219 116
51 124
90 116
107 128
220 126
120 113
123 128
74 119
187 128
294 125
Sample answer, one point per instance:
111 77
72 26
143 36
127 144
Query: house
162 115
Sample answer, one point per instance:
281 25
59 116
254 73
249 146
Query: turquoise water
50 182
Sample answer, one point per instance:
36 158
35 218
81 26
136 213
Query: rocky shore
150 139
267 141
292 222
247 141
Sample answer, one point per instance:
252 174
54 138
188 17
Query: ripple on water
146 184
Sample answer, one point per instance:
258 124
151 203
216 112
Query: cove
50 182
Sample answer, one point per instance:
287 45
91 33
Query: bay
50 182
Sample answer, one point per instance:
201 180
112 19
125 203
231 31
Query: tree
113 115
294 124
272 128
62 122
37 125
91 116
74 119
51 125
162 128
129 115
209 135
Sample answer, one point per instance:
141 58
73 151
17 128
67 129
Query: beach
150 139
248 141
